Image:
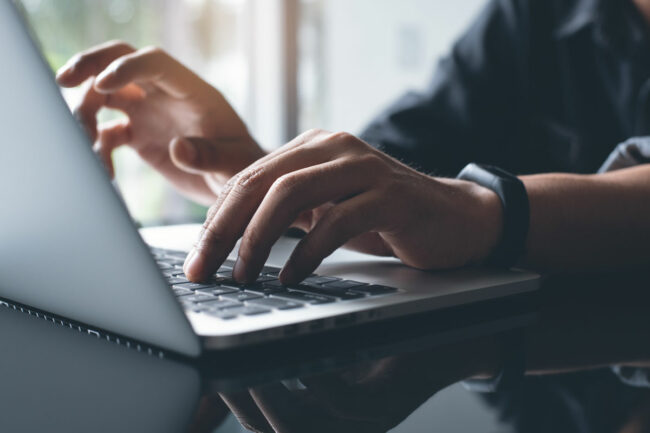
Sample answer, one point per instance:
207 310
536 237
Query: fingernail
188 266
60 73
239 271
100 81
65 70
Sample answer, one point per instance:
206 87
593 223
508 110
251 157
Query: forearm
588 221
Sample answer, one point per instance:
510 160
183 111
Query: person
532 87
544 87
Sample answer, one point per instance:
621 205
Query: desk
57 379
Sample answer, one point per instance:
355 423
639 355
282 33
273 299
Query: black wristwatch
516 210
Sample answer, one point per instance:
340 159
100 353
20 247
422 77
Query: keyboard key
279 304
227 274
307 298
266 270
264 290
240 296
320 280
218 290
374 290
200 297
273 283
182 292
195 286
172 272
163 265
343 284
176 280
196 308
219 304
248 310
339 293
265 279
222 314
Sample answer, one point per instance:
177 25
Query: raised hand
178 123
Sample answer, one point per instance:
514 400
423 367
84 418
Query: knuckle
313 132
286 184
371 161
212 210
250 180
343 136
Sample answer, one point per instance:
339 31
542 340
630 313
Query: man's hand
342 191
177 122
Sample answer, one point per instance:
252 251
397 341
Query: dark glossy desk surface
57 379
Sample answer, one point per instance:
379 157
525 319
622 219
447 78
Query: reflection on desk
58 379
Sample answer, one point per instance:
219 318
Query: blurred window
285 65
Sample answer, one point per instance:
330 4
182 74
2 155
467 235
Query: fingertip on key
193 266
239 271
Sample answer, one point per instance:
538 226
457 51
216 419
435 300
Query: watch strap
516 210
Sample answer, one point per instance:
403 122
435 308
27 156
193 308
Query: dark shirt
535 86
532 86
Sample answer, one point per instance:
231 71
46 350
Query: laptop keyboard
226 299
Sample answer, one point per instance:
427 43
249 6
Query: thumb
195 155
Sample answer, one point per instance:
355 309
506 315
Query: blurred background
285 65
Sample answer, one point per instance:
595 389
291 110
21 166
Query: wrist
485 213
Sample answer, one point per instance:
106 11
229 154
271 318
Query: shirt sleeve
472 104
633 376
632 152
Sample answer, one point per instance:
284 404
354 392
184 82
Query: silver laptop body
69 247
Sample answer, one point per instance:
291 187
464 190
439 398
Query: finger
195 155
284 411
310 136
207 224
110 137
87 108
341 223
91 62
149 65
311 148
244 408
92 101
370 243
289 196
291 150
237 204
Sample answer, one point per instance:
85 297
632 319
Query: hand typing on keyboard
221 296
343 192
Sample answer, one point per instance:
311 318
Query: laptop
69 247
